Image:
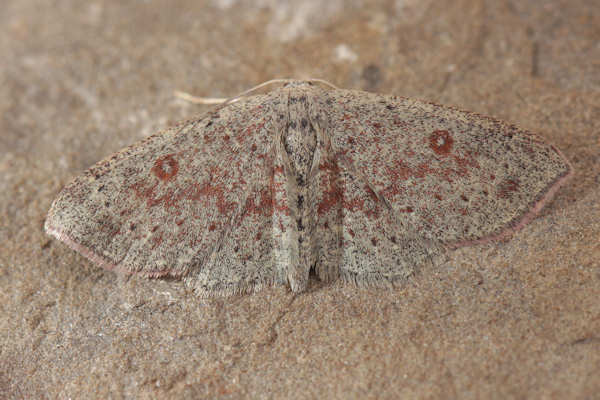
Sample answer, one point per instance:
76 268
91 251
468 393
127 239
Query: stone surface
81 80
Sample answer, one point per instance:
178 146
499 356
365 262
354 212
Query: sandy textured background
82 79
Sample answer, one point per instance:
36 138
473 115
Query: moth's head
297 84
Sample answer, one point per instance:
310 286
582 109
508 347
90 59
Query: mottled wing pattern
181 203
328 189
378 247
359 235
453 177
349 183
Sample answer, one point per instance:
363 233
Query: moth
352 185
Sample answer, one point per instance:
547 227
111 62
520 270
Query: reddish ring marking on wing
168 171
441 142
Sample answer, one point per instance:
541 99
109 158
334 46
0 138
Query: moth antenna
224 100
198 100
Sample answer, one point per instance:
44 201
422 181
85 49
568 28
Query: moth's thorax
299 136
